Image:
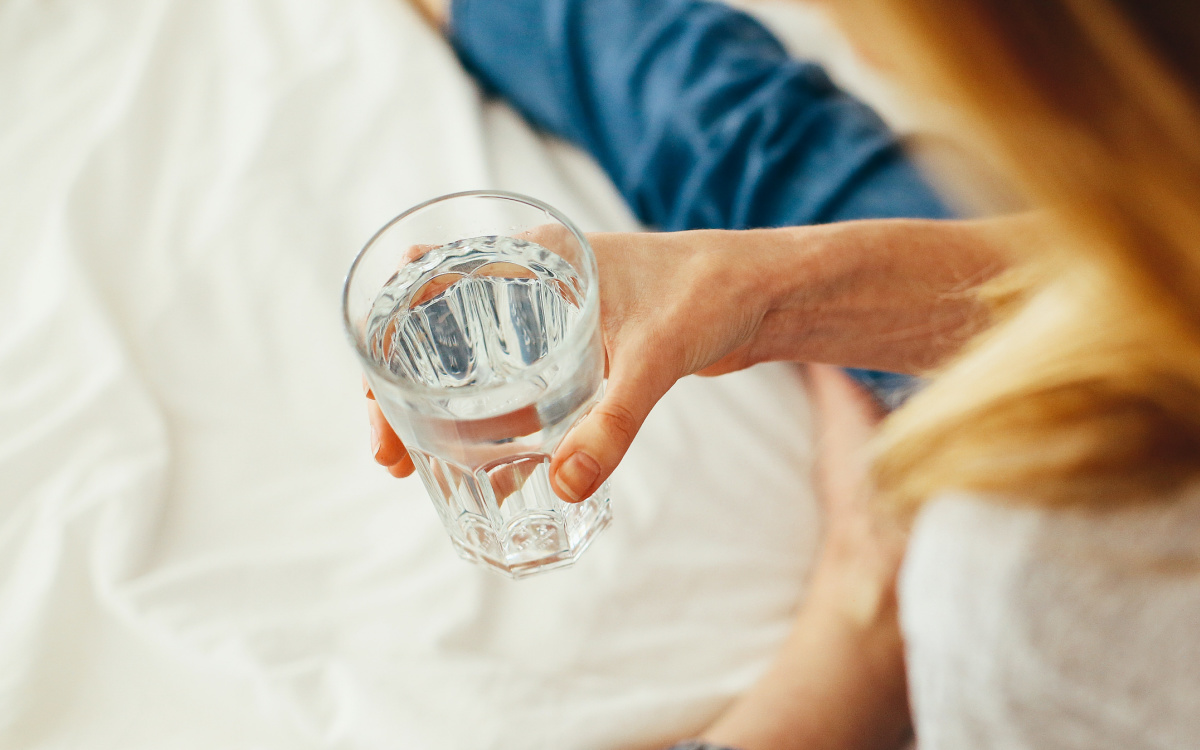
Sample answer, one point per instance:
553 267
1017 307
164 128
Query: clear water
474 319
474 312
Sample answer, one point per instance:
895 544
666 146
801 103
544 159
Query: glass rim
588 310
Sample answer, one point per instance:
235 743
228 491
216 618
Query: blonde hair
1088 389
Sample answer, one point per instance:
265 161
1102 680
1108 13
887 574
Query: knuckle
618 422
549 235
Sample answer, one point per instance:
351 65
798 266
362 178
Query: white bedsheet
196 550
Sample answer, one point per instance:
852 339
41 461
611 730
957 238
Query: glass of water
476 317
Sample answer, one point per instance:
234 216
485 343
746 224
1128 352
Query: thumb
591 451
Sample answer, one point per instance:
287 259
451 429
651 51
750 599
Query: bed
196 550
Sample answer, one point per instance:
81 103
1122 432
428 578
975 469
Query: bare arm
885 294
838 682
831 687
892 295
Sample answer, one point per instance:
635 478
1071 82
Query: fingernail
576 475
374 439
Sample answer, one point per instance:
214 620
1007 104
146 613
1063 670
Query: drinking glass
476 317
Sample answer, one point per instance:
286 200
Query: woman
1051 584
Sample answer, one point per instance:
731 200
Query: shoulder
1033 627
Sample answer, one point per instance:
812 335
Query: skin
433 10
839 680
888 294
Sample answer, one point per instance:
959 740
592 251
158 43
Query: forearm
893 295
839 681
835 685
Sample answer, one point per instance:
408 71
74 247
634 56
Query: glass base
505 515
541 542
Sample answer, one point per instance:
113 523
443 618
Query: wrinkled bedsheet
196 550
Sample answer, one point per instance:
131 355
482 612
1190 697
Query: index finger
387 446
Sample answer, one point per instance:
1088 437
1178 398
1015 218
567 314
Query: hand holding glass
476 317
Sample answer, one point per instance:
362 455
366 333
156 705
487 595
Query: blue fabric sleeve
697 114
694 110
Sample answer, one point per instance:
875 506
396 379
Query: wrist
860 623
856 601
887 294
856 574
796 271
833 684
